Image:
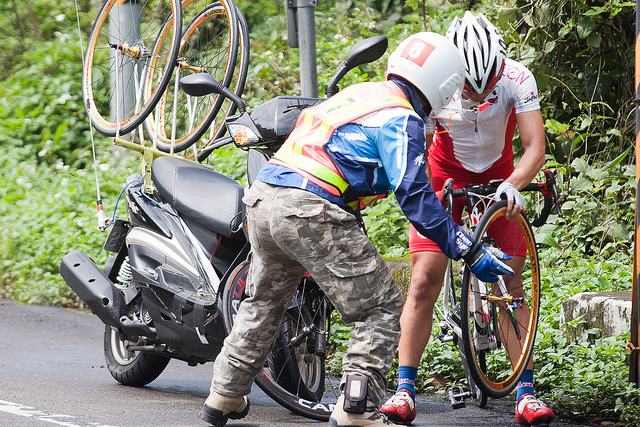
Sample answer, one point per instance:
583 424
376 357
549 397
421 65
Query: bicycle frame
450 326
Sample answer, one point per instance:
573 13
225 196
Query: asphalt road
52 372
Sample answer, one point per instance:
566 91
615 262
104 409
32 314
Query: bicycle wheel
208 44
217 128
499 321
294 374
300 369
118 53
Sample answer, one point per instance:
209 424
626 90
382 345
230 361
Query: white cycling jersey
477 140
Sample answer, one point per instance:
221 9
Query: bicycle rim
488 326
209 44
294 374
117 55
217 127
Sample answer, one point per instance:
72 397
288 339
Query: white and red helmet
430 62
483 50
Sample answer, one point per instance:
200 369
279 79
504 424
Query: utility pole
124 25
301 32
634 344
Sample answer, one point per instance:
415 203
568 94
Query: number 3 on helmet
430 62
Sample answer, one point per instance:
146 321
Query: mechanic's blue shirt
382 151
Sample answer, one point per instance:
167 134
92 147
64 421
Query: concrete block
610 312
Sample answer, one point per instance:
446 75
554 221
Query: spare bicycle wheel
295 374
209 44
119 53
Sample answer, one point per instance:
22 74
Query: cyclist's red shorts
510 240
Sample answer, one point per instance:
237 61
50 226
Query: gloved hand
511 192
485 264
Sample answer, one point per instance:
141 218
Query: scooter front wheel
133 368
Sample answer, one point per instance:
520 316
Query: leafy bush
41 110
582 56
45 213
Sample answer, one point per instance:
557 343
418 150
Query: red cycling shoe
530 411
400 408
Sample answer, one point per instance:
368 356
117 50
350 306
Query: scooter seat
206 197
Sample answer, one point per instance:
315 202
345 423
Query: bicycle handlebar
548 189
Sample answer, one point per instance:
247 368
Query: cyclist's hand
485 263
515 201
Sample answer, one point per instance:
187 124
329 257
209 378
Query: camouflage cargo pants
293 230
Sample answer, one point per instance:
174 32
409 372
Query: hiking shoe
400 408
532 412
371 416
218 408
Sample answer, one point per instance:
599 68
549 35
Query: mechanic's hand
515 201
485 263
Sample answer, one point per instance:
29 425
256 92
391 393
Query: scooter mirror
363 52
200 84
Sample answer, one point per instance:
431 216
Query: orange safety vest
303 151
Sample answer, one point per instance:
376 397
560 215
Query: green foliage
25 25
592 375
582 56
387 227
41 111
45 213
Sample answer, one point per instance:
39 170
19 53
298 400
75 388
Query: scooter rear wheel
133 368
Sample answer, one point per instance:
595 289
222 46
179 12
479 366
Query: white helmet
432 64
483 49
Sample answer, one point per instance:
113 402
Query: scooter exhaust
91 285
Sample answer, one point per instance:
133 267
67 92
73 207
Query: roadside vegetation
581 54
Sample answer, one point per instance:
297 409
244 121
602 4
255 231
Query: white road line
59 419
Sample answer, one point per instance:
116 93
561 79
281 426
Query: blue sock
525 385
407 379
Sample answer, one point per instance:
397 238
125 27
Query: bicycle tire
114 49
209 44
276 379
499 377
304 378
218 127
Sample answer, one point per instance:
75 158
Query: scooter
177 267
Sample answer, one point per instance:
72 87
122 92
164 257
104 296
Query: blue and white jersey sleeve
402 146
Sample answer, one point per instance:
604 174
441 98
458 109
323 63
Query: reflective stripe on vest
303 151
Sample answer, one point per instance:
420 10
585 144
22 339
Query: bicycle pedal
446 338
457 396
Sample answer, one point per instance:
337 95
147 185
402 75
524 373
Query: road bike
493 325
